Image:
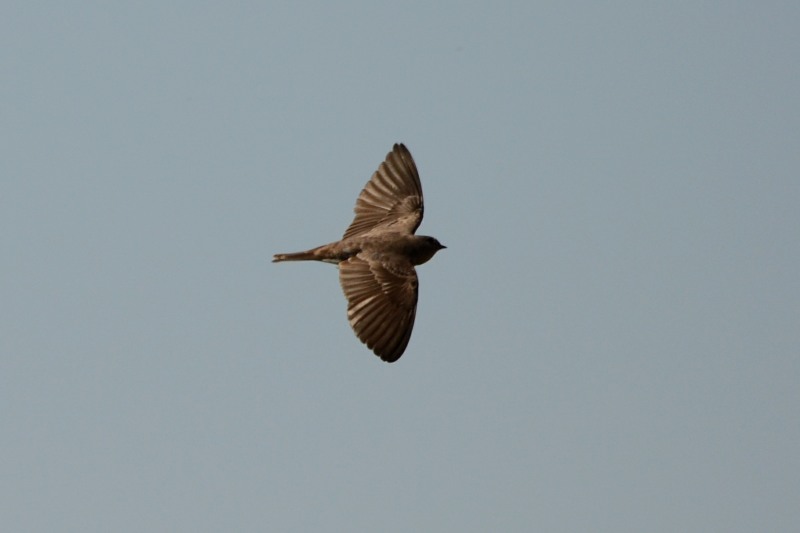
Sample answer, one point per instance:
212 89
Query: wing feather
382 304
392 198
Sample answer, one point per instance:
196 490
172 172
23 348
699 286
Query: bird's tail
327 253
296 256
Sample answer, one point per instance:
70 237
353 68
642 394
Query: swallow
377 255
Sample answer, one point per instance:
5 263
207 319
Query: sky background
610 342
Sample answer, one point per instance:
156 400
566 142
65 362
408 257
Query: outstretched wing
381 304
392 198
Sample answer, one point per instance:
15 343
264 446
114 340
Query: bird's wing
381 303
392 198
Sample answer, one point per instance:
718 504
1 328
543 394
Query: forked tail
297 256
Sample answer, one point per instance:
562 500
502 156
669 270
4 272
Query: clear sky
610 342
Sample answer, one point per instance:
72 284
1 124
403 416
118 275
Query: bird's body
377 255
385 247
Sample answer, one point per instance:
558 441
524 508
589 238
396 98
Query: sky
610 341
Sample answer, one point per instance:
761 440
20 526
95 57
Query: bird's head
425 249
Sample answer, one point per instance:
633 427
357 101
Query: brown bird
377 255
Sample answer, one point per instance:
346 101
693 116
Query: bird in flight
377 255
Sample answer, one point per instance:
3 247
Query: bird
377 255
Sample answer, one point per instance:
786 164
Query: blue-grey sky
610 342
